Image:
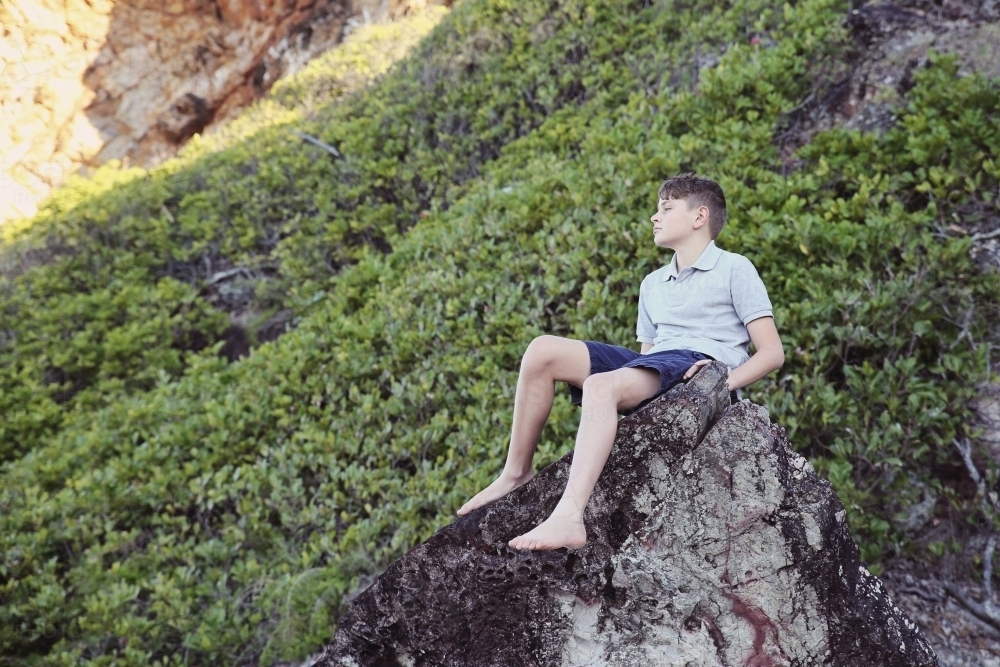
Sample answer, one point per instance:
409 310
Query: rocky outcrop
710 542
86 81
891 41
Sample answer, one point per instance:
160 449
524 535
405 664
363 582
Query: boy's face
674 222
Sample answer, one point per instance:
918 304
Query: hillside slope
225 513
119 279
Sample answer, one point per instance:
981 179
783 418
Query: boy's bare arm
770 355
646 347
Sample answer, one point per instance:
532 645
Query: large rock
86 81
710 542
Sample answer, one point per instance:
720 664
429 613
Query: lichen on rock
710 542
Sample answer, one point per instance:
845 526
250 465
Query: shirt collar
709 257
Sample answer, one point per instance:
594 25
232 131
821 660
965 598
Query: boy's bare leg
603 395
548 359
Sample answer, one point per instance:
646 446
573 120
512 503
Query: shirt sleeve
748 291
645 330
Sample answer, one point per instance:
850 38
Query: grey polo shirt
704 308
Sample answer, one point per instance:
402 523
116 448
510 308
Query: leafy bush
223 516
255 195
101 295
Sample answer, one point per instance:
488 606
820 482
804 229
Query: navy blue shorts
672 364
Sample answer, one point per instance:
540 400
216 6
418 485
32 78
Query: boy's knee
540 353
545 342
600 386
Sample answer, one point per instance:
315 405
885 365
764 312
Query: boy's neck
688 251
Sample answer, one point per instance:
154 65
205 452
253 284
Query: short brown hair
698 191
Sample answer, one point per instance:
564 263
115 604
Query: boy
706 304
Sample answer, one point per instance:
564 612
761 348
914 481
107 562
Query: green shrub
81 350
101 294
257 196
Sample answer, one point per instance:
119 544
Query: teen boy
705 304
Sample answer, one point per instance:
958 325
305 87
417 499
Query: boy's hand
690 373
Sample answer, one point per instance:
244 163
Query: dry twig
986 235
980 611
318 142
987 611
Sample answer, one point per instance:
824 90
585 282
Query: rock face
86 81
710 542
891 41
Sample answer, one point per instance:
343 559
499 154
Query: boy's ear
701 216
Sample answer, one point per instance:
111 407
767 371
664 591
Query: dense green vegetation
104 285
223 514
275 204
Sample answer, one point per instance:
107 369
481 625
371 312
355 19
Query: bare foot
554 532
503 485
